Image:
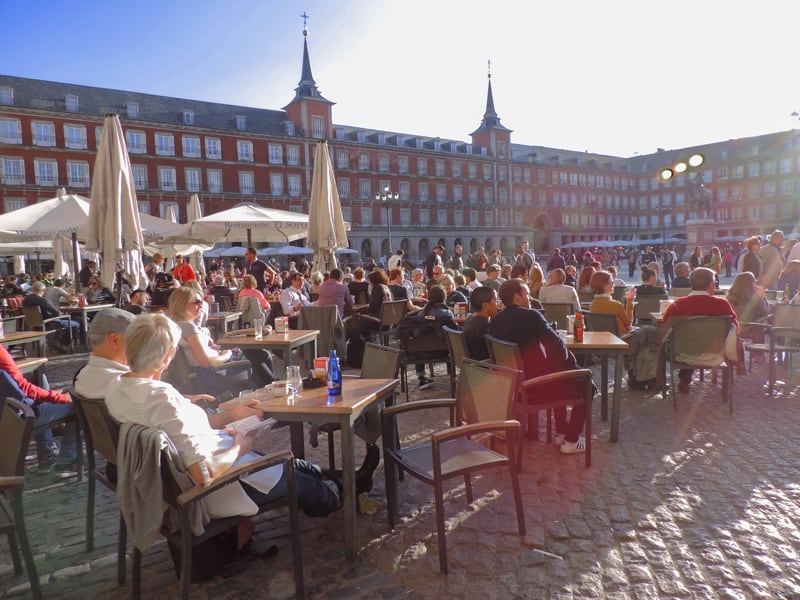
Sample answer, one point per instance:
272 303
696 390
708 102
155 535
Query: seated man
49 406
543 352
36 298
483 302
138 303
107 360
681 279
701 301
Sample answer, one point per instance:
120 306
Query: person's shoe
425 383
45 466
364 474
573 447
683 387
65 470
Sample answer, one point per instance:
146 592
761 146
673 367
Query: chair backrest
619 293
455 344
380 362
179 372
486 392
250 309
595 321
100 430
327 320
213 307
16 428
786 315
699 336
33 317
505 353
585 298
225 302
771 294
678 292
391 313
558 311
646 305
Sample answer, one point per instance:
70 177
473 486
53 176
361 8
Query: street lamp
663 209
386 197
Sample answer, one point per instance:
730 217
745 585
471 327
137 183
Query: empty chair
391 313
558 312
251 309
594 321
484 404
674 292
16 428
643 306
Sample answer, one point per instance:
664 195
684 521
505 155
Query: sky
619 77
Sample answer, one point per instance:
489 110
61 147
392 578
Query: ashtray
311 383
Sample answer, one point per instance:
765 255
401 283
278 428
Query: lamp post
663 209
386 197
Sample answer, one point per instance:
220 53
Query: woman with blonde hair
202 318
556 290
749 302
250 290
535 280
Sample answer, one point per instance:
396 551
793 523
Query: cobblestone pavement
693 504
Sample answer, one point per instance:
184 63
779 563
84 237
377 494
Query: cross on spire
305 18
489 68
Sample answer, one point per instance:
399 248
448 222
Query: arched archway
385 250
405 246
423 249
506 246
542 226
473 246
366 249
443 243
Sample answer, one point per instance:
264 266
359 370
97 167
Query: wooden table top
87 308
225 315
245 338
596 340
356 393
16 336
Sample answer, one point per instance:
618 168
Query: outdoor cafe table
285 342
83 312
605 345
15 338
313 406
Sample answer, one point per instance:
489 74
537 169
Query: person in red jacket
183 271
50 406
701 301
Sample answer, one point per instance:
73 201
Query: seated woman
556 290
359 288
250 290
750 304
583 280
649 285
535 280
138 396
98 293
202 316
452 297
603 286
399 290
184 308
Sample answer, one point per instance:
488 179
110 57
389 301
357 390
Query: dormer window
187 117
362 137
382 138
6 95
71 103
240 122
132 108
289 127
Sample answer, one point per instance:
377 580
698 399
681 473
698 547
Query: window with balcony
78 174
276 184
422 192
404 191
402 165
213 148
246 187
405 217
787 187
487 172
365 189
244 151
472 171
786 165
165 144
139 173
44 134
473 194
75 137
293 155
317 127
10 131
366 216
98 134
488 195
214 178
438 167
191 146
275 154
342 159
344 187
46 172
363 162
295 187
441 192
166 179
193 181
383 163
424 217
455 167
441 217
753 170
458 193
422 166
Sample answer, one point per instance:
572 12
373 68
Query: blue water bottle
334 375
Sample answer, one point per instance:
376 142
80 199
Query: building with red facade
486 191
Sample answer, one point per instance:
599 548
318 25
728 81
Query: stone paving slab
688 504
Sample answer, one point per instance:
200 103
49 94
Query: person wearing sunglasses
97 293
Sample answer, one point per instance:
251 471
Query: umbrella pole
76 263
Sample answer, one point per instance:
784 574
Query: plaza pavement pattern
693 504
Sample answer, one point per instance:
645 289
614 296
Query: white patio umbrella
115 229
246 222
326 228
194 212
233 252
293 251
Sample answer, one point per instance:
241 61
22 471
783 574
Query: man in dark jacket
543 352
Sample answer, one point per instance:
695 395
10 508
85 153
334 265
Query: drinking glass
294 380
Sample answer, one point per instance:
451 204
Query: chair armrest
755 325
474 429
53 319
397 409
233 475
11 481
233 363
554 377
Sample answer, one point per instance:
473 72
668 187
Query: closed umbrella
326 228
194 212
114 226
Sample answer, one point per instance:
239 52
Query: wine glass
294 380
